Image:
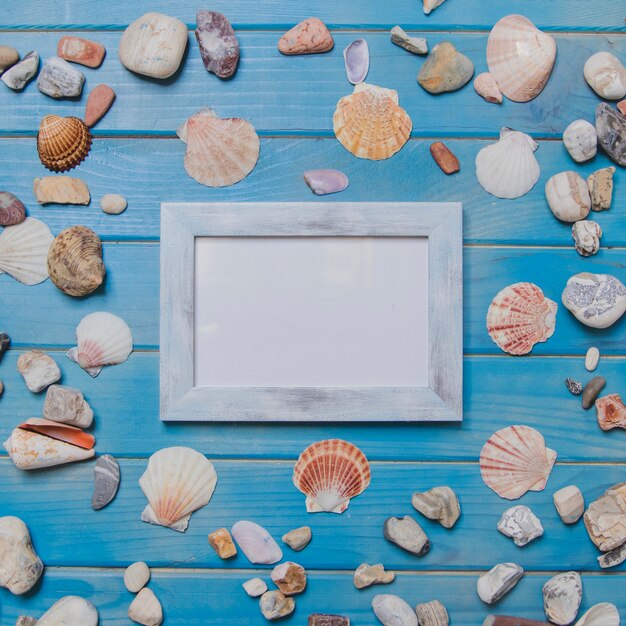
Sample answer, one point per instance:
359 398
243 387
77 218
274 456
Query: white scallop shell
102 339
508 168
177 482
24 251
603 614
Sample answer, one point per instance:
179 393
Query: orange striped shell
62 142
329 473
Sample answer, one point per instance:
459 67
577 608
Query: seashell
562 595
103 339
24 251
580 140
515 460
256 543
8 57
106 476
439 503
254 587
600 185
298 538
592 358
61 190
289 577
521 524
308 37
370 124
323 182
431 5
603 614
508 168
99 101
75 261
17 76
613 558
416 45
611 130
586 235
70 610
569 504
596 300
220 151
83 51
218 43
520 57
393 611
606 75
275 605
367 575
113 204
568 196
444 158
621 107
446 69
519 317
222 543
67 406
177 482
505 620
356 58
136 576
20 567
60 432
12 211
498 581
487 87
406 533
432 614
611 412
330 473
604 519
59 79
38 370
146 609
62 142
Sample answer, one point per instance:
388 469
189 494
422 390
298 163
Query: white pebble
136 576
113 204
255 587
591 359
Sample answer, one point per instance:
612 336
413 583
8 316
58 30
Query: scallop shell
519 317
508 168
603 614
62 142
370 124
177 482
329 473
220 151
75 261
24 251
515 460
520 57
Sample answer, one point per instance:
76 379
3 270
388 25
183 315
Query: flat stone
575 387
38 370
321 619
222 542
255 587
290 578
298 538
308 37
68 406
61 190
586 235
406 533
8 57
505 620
605 519
367 575
393 611
275 605
521 524
12 211
106 476
569 503
581 140
136 576
59 79
592 391
600 185
432 614
596 300
446 69
440 504
613 558
562 595
18 76
218 43
611 129
416 45
498 581
99 101
82 51
5 342
592 358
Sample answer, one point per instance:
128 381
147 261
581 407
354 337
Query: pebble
393 611
606 75
406 533
113 204
446 69
38 370
505 620
486 87
432 614
600 185
322 619
298 538
325 181
12 211
367 575
416 45
17 76
592 391
521 524
621 107
290 578
82 51
586 235
99 101
568 196
613 558
592 359
444 158
430 5
24 620
106 475
573 386
20 567
580 140
1 388
562 595
611 129
146 609
439 503
5 342
218 43
59 79
596 300
308 37
67 406
255 587
61 190
604 519
8 57
136 576
498 581
275 605
569 503
222 542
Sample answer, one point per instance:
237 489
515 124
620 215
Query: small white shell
431 5
146 609
568 196
603 614
487 87
256 543
136 576
606 75
580 140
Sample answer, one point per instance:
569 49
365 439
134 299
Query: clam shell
568 196
329 473
603 614
146 609
103 339
12 211
220 151
356 58
177 482
256 543
24 251
519 317
487 87
370 124
515 460
62 142
70 610
75 261
520 57
20 567
508 168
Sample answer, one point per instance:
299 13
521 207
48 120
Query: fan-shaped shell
603 614
220 151
520 57
519 317
515 460
177 482
102 339
75 261
24 251
508 168
370 124
329 473
62 142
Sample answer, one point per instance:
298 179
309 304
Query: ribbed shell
519 317
24 251
177 482
329 473
520 57
62 142
515 460
603 614
370 124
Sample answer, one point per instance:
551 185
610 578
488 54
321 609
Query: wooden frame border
442 400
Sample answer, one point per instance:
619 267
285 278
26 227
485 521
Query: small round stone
136 576
113 204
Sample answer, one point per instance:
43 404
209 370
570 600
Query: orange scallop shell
62 142
329 473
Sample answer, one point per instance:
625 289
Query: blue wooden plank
276 92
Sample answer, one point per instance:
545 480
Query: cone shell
329 473
75 261
516 460
519 317
370 124
220 151
60 432
520 57
62 142
177 482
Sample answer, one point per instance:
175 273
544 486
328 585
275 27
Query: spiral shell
62 142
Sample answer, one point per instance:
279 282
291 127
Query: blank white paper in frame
311 312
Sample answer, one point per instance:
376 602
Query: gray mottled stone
596 300
17 76
218 43
60 79
592 391
446 69
275 605
106 477
613 558
611 130
416 45
575 387
498 581
393 611
521 524
67 405
562 595
406 533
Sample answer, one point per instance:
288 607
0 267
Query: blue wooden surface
291 101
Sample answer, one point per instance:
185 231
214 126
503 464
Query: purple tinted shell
323 182
357 59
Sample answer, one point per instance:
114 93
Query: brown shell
62 142
75 261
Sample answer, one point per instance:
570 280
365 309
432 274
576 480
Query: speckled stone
406 533
521 524
446 69
59 79
613 558
596 300
611 129
562 595
17 76
218 43
275 605
575 387
600 185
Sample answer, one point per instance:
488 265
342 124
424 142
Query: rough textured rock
59 79
600 185
17 76
605 519
308 37
580 140
611 412
596 300
498 581
393 611
136 576
406 533
320 619
592 391
505 620
521 524
446 69
439 503
79 50
255 587
222 543
290 578
68 406
611 129
20 567
218 43
432 614
569 503
8 57
575 387
562 595
61 190
416 45
38 370
12 211
99 101
367 575
586 235
275 605
106 475
298 538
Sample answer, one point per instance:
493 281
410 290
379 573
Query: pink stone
621 107
98 103
81 51
308 37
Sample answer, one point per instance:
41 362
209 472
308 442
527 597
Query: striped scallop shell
516 460
329 473
177 482
62 142
520 57
370 124
519 317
